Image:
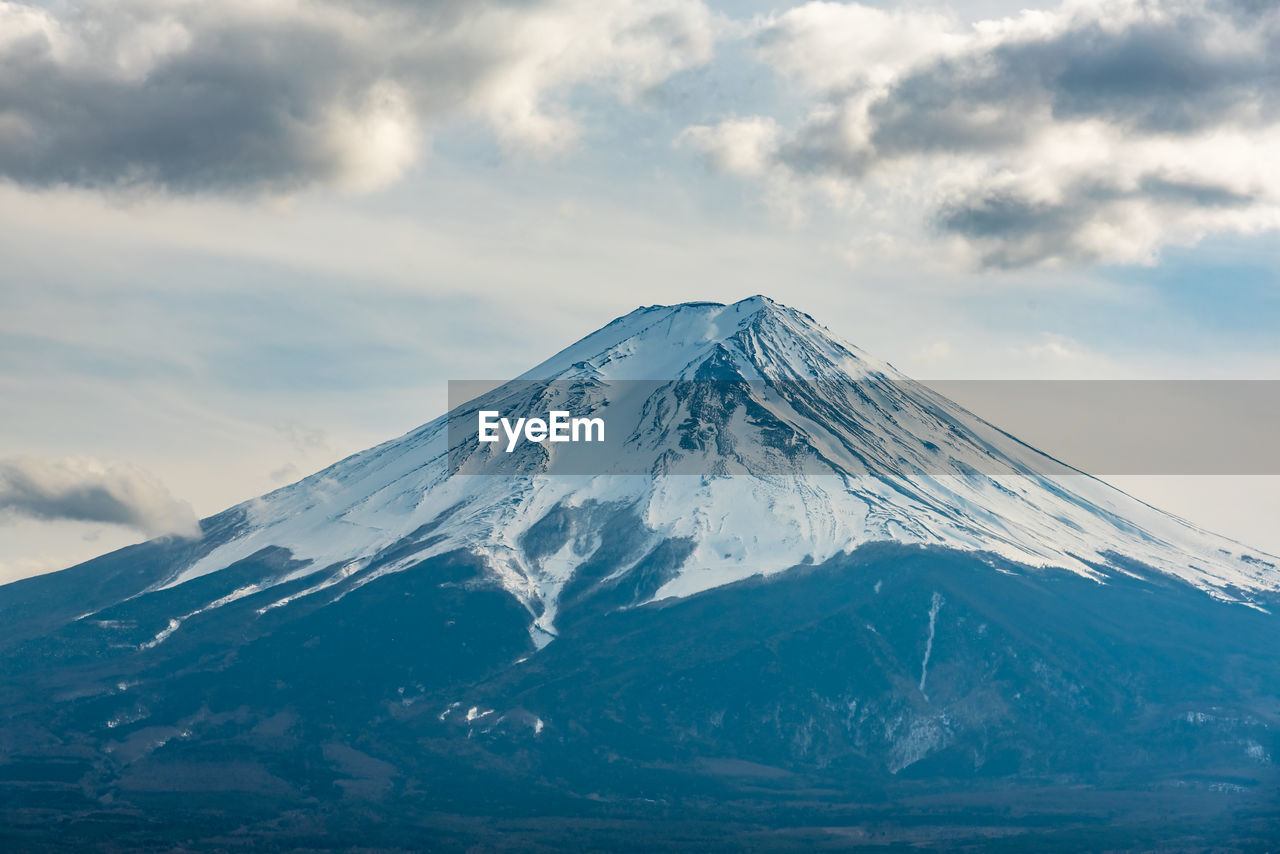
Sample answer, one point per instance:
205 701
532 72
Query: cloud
253 96
1086 220
938 351
90 490
1051 345
736 146
304 439
1096 132
287 473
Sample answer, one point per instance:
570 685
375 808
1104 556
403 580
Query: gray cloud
1097 131
93 491
273 97
1013 230
1152 76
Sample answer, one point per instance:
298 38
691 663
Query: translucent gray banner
872 425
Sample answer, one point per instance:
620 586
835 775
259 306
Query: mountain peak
666 342
834 450
760 302
742 310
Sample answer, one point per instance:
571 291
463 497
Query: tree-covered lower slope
894 695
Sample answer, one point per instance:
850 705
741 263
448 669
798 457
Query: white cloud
829 46
1097 132
1050 346
937 352
736 146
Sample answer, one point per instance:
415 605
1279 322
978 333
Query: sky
243 240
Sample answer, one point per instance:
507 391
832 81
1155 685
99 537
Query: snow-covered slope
819 449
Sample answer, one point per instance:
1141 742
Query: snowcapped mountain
824 449
795 590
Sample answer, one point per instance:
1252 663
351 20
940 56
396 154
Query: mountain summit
793 589
870 457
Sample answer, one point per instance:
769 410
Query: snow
163 635
935 605
917 486
176 622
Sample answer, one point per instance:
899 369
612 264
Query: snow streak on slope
867 456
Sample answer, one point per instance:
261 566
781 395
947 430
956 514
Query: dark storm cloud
92 491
